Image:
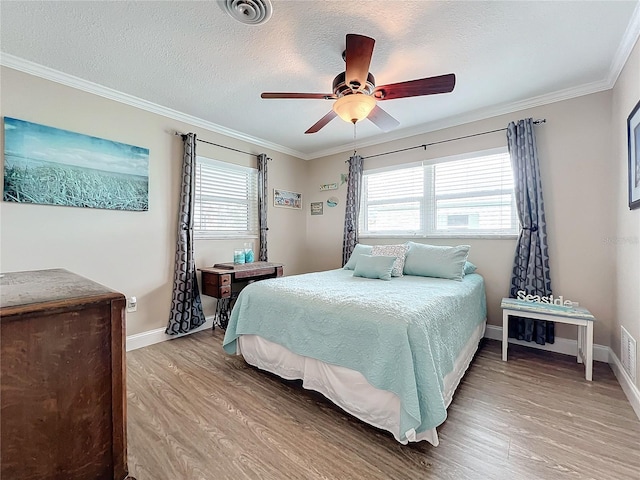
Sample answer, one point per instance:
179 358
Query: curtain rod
425 145
221 146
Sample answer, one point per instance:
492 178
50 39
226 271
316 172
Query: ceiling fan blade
382 119
322 122
316 96
416 88
358 58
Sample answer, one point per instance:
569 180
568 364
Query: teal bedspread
403 335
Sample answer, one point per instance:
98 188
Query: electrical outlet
132 304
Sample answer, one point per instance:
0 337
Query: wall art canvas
283 198
633 138
50 166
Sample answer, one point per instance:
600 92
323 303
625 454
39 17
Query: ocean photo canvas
51 166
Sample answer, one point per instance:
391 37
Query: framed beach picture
633 138
286 199
49 166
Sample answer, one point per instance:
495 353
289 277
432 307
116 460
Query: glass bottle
238 255
248 252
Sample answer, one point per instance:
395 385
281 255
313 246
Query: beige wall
131 252
574 148
625 242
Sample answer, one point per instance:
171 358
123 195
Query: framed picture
633 138
49 166
285 199
317 208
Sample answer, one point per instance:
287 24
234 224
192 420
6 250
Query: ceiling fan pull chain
354 139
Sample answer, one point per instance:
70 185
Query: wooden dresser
62 378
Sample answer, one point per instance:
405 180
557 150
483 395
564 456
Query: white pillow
398 251
358 250
436 261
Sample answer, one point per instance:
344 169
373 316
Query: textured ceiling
192 57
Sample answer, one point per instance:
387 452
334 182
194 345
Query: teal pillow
358 250
469 268
436 261
378 266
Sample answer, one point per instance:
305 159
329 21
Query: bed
389 353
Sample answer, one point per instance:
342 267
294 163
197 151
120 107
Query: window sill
511 236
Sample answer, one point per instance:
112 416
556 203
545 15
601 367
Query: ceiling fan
355 92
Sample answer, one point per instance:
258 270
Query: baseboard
630 390
152 337
561 345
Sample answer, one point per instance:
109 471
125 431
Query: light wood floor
198 413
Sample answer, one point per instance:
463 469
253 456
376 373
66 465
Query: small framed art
317 208
633 138
286 199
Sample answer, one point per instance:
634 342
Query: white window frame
251 201
428 217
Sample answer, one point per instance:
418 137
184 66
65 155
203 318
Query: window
468 196
226 200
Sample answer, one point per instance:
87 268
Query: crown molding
629 39
476 115
47 73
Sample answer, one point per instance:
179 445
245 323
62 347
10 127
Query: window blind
394 201
226 200
472 196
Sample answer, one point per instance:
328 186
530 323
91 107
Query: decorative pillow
379 266
358 250
436 261
398 251
469 268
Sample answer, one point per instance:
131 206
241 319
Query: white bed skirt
348 388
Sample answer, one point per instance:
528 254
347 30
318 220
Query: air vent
628 353
250 12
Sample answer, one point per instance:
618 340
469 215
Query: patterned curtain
352 208
531 264
262 205
186 308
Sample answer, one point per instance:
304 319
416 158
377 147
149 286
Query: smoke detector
249 12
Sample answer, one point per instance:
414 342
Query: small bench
553 313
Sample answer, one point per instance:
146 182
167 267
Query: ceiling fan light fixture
355 107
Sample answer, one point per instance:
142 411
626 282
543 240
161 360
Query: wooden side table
544 311
218 282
